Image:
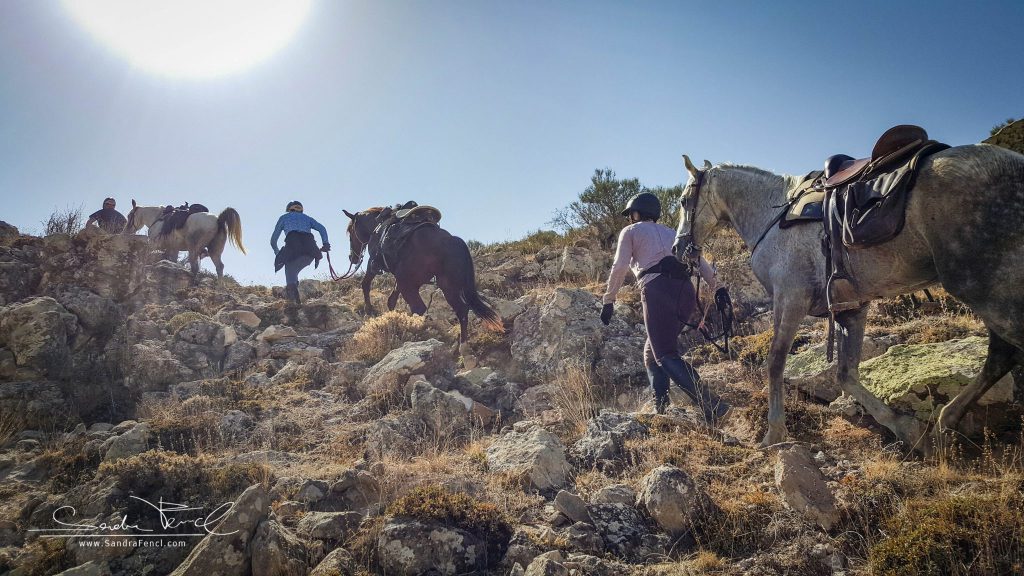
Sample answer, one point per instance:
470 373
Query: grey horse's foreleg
850 341
786 324
1002 357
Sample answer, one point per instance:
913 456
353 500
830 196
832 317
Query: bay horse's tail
486 314
230 221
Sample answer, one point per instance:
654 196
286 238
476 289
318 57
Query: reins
353 267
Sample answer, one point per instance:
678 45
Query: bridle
353 265
698 182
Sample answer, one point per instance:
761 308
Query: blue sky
495 112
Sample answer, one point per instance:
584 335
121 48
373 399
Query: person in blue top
299 246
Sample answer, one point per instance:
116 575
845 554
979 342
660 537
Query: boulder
243 318
804 488
564 327
37 332
625 532
226 550
91 568
310 491
531 452
582 264
277 552
810 371
109 265
409 548
129 443
330 526
614 494
356 490
153 367
99 315
602 443
34 405
338 563
429 358
8 233
444 414
572 506
547 564
920 378
673 500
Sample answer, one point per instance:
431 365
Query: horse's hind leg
453 295
1002 357
850 341
193 263
411 293
215 250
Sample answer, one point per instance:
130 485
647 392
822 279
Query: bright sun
192 38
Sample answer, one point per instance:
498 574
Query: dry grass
382 334
179 321
575 395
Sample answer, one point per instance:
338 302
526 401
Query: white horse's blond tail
230 219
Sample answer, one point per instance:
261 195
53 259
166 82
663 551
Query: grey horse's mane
752 177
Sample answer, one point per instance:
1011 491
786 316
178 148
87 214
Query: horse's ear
349 214
707 165
689 166
133 202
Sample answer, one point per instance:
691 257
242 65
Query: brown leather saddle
897 143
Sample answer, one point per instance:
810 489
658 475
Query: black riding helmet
294 206
646 204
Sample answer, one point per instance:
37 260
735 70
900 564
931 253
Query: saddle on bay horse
395 226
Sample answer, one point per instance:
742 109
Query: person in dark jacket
108 219
299 246
668 300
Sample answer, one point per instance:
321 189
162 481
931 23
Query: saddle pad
420 213
806 208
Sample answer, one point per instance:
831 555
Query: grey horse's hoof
773 436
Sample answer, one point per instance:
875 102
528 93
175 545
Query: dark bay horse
964 230
429 252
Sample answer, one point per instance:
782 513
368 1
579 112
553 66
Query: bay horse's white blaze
964 229
201 230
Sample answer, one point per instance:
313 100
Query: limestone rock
428 358
91 568
37 332
547 564
312 491
338 563
810 371
129 443
572 506
34 405
330 526
277 552
614 494
673 500
226 550
443 413
532 452
919 379
356 490
410 548
606 433
624 531
804 487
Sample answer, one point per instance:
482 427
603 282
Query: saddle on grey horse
865 200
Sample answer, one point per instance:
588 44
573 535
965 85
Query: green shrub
964 534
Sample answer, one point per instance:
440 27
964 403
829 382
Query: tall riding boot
291 292
659 382
688 380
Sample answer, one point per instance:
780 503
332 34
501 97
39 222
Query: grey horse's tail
231 223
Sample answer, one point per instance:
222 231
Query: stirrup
842 296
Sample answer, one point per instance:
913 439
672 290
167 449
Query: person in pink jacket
668 300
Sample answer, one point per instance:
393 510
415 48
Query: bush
378 336
64 221
181 320
966 534
433 504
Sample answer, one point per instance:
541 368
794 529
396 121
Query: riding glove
326 247
606 313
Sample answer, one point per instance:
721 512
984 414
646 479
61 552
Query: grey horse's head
696 222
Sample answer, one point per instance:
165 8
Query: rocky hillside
354 446
1010 136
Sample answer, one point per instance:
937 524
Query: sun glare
192 38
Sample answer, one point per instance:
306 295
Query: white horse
964 229
201 230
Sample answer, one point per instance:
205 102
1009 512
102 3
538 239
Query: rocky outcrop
602 443
34 405
429 357
226 550
920 378
811 372
408 547
804 488
37 334
562 327
532 453
277 552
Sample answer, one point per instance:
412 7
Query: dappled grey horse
964 229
